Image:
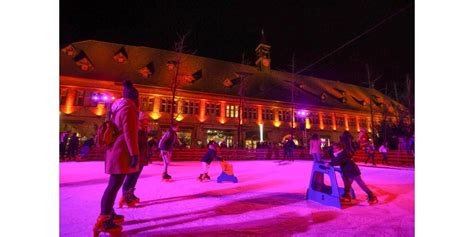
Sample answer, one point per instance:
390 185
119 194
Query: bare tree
179 47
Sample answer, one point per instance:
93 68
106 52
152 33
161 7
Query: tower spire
263 41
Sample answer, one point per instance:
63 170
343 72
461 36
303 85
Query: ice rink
269 200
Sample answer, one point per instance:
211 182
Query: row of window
90 99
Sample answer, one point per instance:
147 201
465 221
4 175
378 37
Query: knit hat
129 91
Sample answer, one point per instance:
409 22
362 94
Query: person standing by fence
383 150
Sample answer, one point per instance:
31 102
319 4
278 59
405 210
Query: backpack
107 131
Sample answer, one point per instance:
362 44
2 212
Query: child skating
206 160
351 173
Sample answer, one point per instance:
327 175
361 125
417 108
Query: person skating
128 196
350 172
370 153
72 147
206 160
121 158
169 139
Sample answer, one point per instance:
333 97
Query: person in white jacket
315 147
383 150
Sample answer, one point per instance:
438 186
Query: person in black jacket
169 139
206 160
350 173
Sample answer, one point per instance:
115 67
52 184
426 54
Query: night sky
226 29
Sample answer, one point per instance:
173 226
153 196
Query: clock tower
263 55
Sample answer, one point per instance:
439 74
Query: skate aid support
227 174
322 193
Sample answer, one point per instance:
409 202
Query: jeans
166 156
316 157
110 193
348 183
131 181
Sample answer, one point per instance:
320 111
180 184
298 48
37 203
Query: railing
395 158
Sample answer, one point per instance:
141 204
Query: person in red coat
121 158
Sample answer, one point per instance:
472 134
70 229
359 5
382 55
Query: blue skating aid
227 173
227 178
318 191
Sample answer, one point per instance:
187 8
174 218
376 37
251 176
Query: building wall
83 116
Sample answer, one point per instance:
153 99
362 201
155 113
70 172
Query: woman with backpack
121 157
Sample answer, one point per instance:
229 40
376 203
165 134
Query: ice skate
372 199
128 199
166 177
106 224
206 177
201 177
118 219
132 193
346 198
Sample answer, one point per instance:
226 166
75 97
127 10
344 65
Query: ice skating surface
269 200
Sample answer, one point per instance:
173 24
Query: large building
210 95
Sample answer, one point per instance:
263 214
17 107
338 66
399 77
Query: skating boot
118 219
106 224
128 199
346 198
201 177
166 177
372 199
132 191
206 177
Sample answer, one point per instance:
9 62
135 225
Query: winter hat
129 91
143 116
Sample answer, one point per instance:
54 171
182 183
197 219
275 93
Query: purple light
105 98
95 97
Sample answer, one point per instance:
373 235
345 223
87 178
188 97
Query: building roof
275 85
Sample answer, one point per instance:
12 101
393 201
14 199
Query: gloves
134 161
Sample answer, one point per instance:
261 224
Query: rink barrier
395 158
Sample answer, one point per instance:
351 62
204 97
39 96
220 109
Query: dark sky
225 29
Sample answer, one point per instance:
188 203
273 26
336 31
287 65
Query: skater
86 147
62 146
72 147
151 143
370 153
351 173
315 148
363 139
128 196
206 160
166 146
383 150
347 139
286 148
121 158
290 146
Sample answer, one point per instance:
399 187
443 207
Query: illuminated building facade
208 103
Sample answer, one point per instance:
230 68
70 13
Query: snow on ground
269 200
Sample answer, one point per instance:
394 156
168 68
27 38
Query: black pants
131 180
359 181
110 193
370 156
